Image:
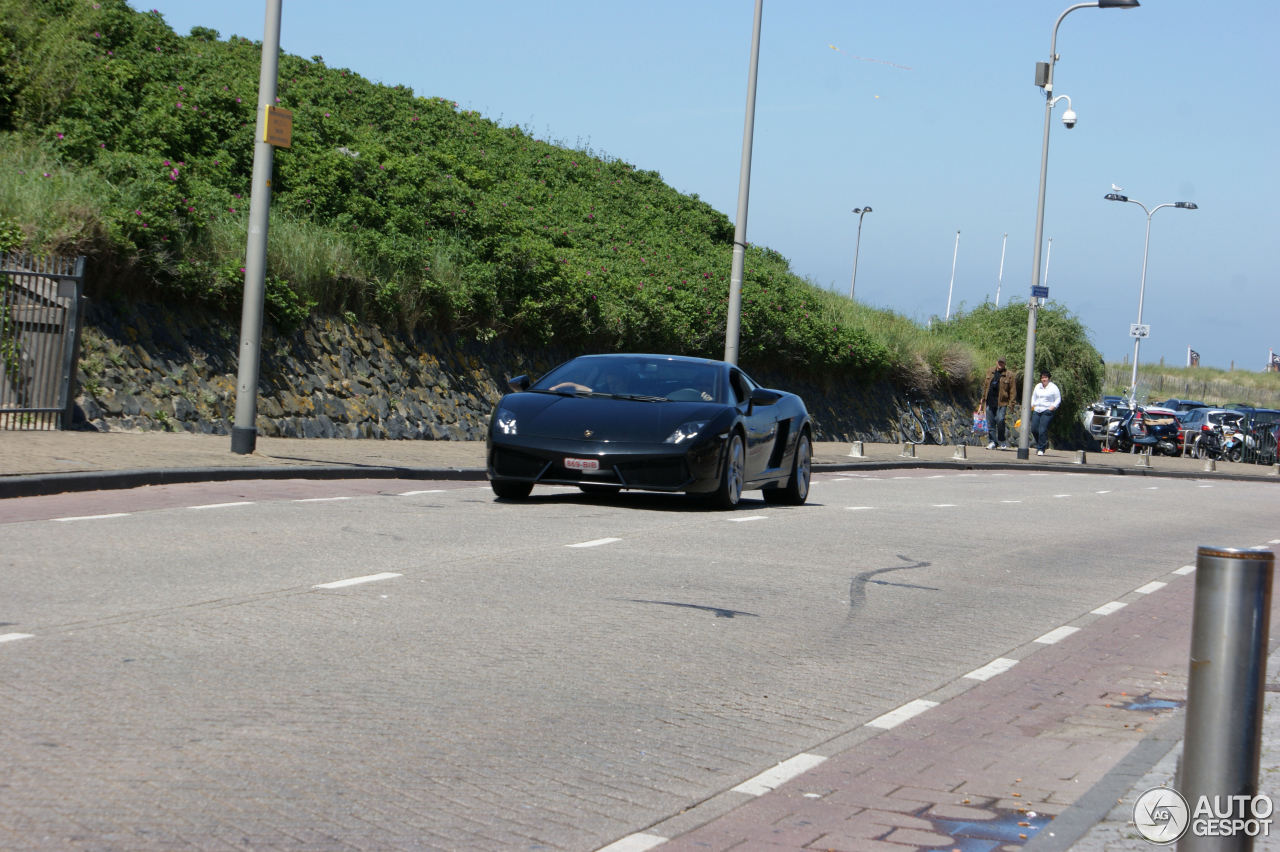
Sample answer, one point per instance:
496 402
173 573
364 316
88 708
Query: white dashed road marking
894 718
1153 586
1185 570
222 505
991 669
320 499
13 637
594 542
634 843
1055 636
773 778
370 578
416 493
93 517
1108 608
750 518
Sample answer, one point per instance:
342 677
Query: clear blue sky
925 111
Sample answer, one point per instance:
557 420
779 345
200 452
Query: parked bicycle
919 423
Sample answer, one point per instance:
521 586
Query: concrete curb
39 485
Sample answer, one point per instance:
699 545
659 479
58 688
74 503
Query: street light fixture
1044 79
861 211
1139 331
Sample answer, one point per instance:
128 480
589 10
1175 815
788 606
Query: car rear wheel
796 491
732 474
509 489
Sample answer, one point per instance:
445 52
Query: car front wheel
509 489
732 474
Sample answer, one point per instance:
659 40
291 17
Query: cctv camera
1069 118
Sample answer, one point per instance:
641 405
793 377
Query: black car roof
691 359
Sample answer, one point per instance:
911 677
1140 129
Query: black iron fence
41 305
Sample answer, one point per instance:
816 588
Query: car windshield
636 377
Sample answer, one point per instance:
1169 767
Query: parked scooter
1232 443
1209 443
1132 432
1164 428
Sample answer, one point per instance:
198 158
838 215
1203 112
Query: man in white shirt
1045 400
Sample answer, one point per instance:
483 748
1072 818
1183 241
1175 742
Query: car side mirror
519 383
764 396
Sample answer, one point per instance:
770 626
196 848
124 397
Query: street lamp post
950 287
1004 241
1044 79
861 211
733 317
1138 330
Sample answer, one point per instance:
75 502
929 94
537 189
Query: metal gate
41 302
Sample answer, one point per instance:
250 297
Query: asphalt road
551 674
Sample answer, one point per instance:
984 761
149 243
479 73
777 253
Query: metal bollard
1081 458
909 451
1229 629
1210 466
960 452
1144 460
856 450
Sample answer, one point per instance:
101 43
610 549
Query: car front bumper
649 467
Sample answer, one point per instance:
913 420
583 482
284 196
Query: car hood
619 420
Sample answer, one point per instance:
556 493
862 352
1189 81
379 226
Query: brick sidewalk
993 764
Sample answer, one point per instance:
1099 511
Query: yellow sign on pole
277 129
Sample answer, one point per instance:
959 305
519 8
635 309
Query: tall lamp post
733 318
1044 79
1004 241
861 211
1139 331
954 254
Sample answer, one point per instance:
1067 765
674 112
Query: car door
761 423
1191 425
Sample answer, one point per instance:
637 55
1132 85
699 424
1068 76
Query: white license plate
582 464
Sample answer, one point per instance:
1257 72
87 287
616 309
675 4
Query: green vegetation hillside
127 142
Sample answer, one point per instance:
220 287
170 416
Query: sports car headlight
686 432
505 422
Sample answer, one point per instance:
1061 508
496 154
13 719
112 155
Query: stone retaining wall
146 367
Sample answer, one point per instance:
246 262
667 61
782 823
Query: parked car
651 422
1259 426
1182 404
1200 420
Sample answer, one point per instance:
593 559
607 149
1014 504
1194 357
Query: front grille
655 473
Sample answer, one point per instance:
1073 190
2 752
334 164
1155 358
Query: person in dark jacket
999 391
